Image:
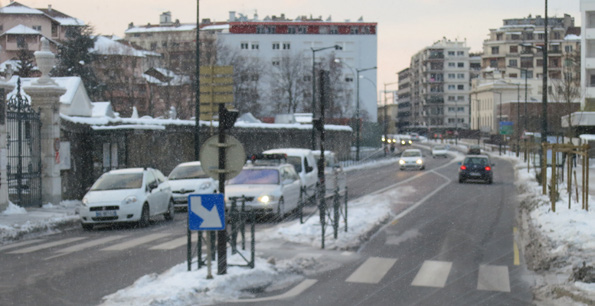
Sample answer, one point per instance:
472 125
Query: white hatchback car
189 178
439 151
412 159
127 195
268 189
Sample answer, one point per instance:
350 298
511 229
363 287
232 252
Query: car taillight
463 167
488 168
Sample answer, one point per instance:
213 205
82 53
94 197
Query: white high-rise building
273 39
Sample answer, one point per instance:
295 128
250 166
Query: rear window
476 161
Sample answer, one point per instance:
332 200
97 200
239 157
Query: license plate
474 174
108 213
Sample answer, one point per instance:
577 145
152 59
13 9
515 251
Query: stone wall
164 149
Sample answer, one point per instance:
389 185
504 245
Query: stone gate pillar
5 88
45 96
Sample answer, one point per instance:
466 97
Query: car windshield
256 176
187 172
476 161
114 181
411 154
439 148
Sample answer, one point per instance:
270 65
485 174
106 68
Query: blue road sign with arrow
206 212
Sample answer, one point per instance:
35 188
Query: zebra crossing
112 243
432 273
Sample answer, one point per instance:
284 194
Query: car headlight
419 161
266 199
130 199
401 162
85 201
205 185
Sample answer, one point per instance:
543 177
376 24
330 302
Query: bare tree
288 87
566 89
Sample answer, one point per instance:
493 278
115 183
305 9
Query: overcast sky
404 26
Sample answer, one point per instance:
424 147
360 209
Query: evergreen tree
25 61
75 57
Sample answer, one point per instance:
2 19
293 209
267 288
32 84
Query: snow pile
13 209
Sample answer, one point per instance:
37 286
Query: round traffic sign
235 156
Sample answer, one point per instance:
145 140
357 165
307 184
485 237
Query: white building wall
359 52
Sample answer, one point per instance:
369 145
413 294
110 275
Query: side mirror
153 185
309 169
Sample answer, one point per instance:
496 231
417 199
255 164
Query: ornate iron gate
24 151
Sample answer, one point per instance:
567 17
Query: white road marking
372 270
46 245
134 242
19 244
493 278
295 291
86 245
432 274
175 243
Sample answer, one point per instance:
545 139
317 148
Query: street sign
206 212
235 157
506 128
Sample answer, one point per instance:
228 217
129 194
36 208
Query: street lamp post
499 123
357 116
385 114
526 72
336 47
357 124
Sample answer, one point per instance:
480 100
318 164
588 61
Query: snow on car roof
290 151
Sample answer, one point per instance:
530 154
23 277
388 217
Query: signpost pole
209 260
221 235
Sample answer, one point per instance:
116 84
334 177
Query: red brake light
488 168
463 167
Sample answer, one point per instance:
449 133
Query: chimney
49 7
232 16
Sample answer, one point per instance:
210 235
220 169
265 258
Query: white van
304 163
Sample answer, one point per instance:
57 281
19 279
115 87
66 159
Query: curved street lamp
357 107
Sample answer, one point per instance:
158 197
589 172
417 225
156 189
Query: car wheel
280 210
144 216
461 180
490 180
169 215
87 227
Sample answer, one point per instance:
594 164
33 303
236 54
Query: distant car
439 151
476 167
334 175
304 163
127 195
412 159
406 141
187 178
269 189
474 150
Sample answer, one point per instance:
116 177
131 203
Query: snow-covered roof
22 30
215 27
175 79
572 37
17 8
181 28
69 21
102 109
587 137
108 46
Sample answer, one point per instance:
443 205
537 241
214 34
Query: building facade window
451 53
451 87
514 49
513 63
244 46
37 28
254 46
461 87
461 53
461 65
451 76
286 46
460 75
451 64
276 46
495 50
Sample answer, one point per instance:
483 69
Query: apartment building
23 27
274 39
404 100
515 47
439 80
